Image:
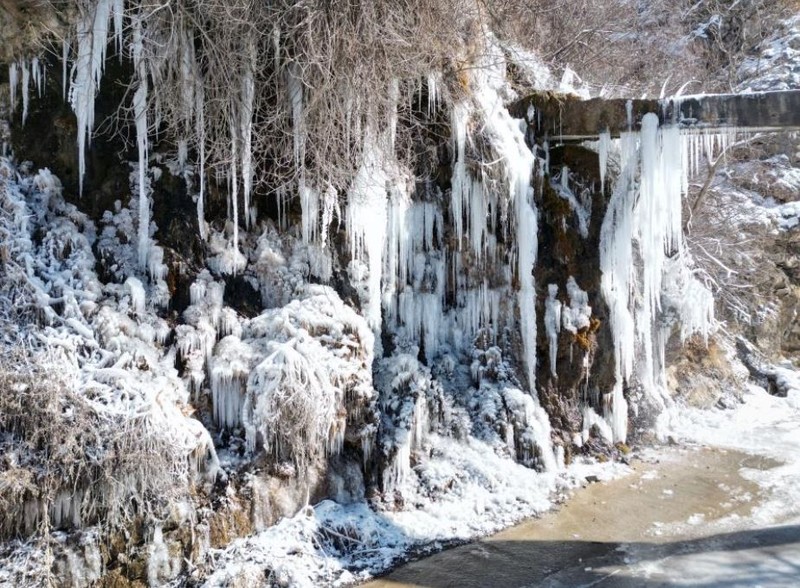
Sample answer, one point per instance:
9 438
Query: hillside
293 291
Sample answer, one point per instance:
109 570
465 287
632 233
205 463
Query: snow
776 64
100 338
755 548
335 545
761 425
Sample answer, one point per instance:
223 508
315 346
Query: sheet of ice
762 425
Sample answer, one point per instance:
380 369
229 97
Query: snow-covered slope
776 66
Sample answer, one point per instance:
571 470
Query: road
683 517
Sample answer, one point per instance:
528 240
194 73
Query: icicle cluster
19 74
644 220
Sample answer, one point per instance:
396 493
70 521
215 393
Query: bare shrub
65 463
735 262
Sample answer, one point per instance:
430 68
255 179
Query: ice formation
109 353
87 71
142 130
577 315
552 323
446 279
366 216
644 220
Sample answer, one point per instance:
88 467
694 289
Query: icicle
552 324
295 91
140 113
460 180
26 81
674 179
38 73
652 227
629 114
234 185
527 235
246 129
330 206
433 93
64 63
546 148
366 219
394 98
13 82
604 146
617 408
201 142
183 153
87 70
118 10
276 46
189 77
616 263
309 206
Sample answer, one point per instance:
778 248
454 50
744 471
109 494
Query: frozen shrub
308 376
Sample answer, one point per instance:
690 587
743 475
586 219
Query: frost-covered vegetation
379 298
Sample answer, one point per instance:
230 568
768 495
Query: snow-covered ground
777 65
762 425
332 544
760 548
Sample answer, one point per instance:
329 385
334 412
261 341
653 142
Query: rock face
584 365
23 23
370 457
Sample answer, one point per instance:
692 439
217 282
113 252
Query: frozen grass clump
94 421
307 382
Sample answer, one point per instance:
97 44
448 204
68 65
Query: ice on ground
333 544
762 425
